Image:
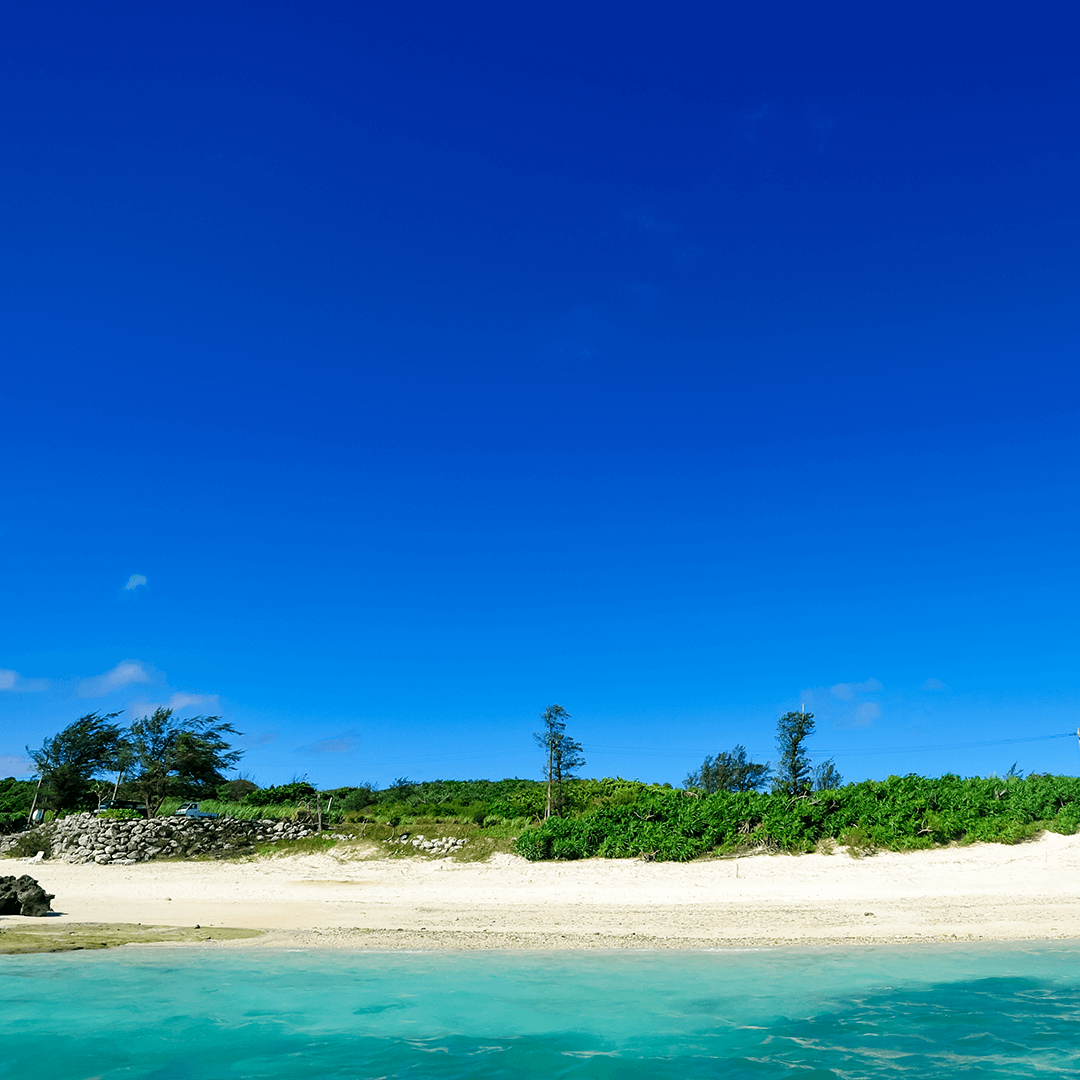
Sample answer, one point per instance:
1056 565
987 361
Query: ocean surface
923 1011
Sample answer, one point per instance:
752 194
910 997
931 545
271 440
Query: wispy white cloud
126 673
849 691
13 765
135 581
341 744
193 701
933 684
206 703
12 680
262 739
866 714
845 705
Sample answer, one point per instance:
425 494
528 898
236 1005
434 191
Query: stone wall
82 838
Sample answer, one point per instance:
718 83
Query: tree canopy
563 756
793 773
732 771
69 761
180 757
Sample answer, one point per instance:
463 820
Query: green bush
26 847
902 813
16 798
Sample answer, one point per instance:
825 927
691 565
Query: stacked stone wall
83 838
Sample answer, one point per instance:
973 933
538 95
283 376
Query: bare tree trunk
33 805
318 806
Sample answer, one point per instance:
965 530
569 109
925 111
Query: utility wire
668 752
653 751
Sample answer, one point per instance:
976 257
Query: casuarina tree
793 773
826 776
85 749
180 757
563 756
732 771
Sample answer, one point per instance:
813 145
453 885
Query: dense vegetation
156 757
621 818
16 798
901 813
159 761
480 802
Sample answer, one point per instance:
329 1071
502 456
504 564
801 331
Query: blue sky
377 375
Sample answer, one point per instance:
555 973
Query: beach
354 896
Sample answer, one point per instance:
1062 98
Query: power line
670 752
653 751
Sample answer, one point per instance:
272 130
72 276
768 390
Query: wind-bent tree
564 756
793 773
180 757
69 761
732 771
826 776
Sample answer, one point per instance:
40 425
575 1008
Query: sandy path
982 892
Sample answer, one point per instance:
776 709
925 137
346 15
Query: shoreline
354 897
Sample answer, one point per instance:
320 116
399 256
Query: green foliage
26 847
732 771
562 757
275 812
355 798
793 775
179 757
827 776
235 790
16 798
68 761
902 813
298 790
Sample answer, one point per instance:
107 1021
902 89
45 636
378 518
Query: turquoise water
1006 1011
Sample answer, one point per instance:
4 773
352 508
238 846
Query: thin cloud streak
126 673
17 684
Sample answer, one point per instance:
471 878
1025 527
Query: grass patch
51 936
308 845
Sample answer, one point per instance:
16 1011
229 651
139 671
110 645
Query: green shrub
901 813
26 847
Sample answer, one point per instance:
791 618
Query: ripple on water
1009 1011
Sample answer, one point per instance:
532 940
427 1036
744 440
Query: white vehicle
191 809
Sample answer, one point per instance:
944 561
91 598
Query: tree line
95 759
729 770
794 775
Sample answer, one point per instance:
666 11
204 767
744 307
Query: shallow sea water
925 1011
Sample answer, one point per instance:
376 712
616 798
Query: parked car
191 809
118 804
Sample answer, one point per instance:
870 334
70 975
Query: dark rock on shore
23 896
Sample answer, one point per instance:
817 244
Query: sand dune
342 898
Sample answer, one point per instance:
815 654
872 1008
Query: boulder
23 896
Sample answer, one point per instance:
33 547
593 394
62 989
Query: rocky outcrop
23 896
83 838
445 845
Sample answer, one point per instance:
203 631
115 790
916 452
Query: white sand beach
346 897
